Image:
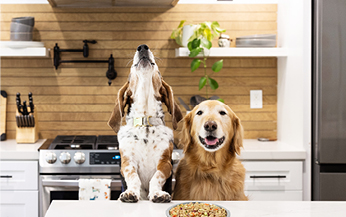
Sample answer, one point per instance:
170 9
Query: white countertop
10 150
253 150
276 150
75 208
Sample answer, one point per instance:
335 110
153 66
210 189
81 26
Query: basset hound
145 143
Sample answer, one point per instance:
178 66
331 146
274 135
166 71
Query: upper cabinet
112 3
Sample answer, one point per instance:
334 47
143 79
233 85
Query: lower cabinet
274 180
19 189
19 203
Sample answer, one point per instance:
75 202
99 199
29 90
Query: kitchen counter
253 150
10 150
276 150
70 208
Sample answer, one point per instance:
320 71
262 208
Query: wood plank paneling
8 8
138 26
76 99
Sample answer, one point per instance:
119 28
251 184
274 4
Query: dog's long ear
237 140
185 135
118 112
173 108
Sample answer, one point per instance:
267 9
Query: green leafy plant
200 43
177 33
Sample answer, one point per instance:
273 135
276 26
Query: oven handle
72 183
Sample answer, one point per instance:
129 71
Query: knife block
27 134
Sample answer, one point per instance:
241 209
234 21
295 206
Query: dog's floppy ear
173 108
237 140
185 138
118 112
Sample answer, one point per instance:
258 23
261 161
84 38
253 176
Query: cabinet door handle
6 177
267 177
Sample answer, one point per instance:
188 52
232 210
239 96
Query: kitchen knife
183 104
25 108
25 121
17 121
31 104
18 102
21 121
32 121
29 120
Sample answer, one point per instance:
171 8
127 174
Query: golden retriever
211 136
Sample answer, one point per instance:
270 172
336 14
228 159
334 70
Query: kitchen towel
94 189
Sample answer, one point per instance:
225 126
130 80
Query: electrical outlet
256 99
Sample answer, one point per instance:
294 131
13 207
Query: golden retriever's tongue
211 141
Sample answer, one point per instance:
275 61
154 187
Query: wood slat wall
76 99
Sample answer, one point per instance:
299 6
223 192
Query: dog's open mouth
211 142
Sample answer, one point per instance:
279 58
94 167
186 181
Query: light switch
256 99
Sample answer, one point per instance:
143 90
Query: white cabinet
274 180
18 175
19 188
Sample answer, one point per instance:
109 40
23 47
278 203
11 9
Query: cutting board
3 103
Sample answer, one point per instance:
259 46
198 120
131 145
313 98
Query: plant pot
187 33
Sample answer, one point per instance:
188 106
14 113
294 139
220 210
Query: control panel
104 158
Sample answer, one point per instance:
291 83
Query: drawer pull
267 177
6 177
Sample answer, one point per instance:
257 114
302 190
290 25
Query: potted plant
183 33
200 43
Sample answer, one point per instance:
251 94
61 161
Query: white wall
294 80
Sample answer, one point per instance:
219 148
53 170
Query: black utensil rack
110 74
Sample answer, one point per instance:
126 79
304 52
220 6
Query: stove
81 154
69 158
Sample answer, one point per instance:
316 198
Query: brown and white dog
209 170
145 143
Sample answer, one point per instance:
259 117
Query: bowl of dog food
197 209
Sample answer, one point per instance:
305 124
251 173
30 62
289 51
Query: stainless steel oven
65 187
69 158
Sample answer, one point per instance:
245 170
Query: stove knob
65 157
51 157
79 157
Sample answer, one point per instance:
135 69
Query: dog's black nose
210 126
142 47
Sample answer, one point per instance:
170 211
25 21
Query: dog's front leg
129 171
164 170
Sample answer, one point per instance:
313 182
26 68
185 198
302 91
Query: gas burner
107 143
73 142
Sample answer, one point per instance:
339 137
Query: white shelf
237 52
24 52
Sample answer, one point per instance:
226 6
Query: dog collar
145 121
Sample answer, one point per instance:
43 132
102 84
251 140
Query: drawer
273 175
274 195
19 203
18 175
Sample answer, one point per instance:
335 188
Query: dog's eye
222 113
199 112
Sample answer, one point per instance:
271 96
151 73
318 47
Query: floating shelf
23 49
24 52
237 52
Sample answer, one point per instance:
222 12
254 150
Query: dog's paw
128 197
160 197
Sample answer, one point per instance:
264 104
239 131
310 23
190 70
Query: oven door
65 187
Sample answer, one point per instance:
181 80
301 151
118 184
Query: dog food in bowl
197 209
